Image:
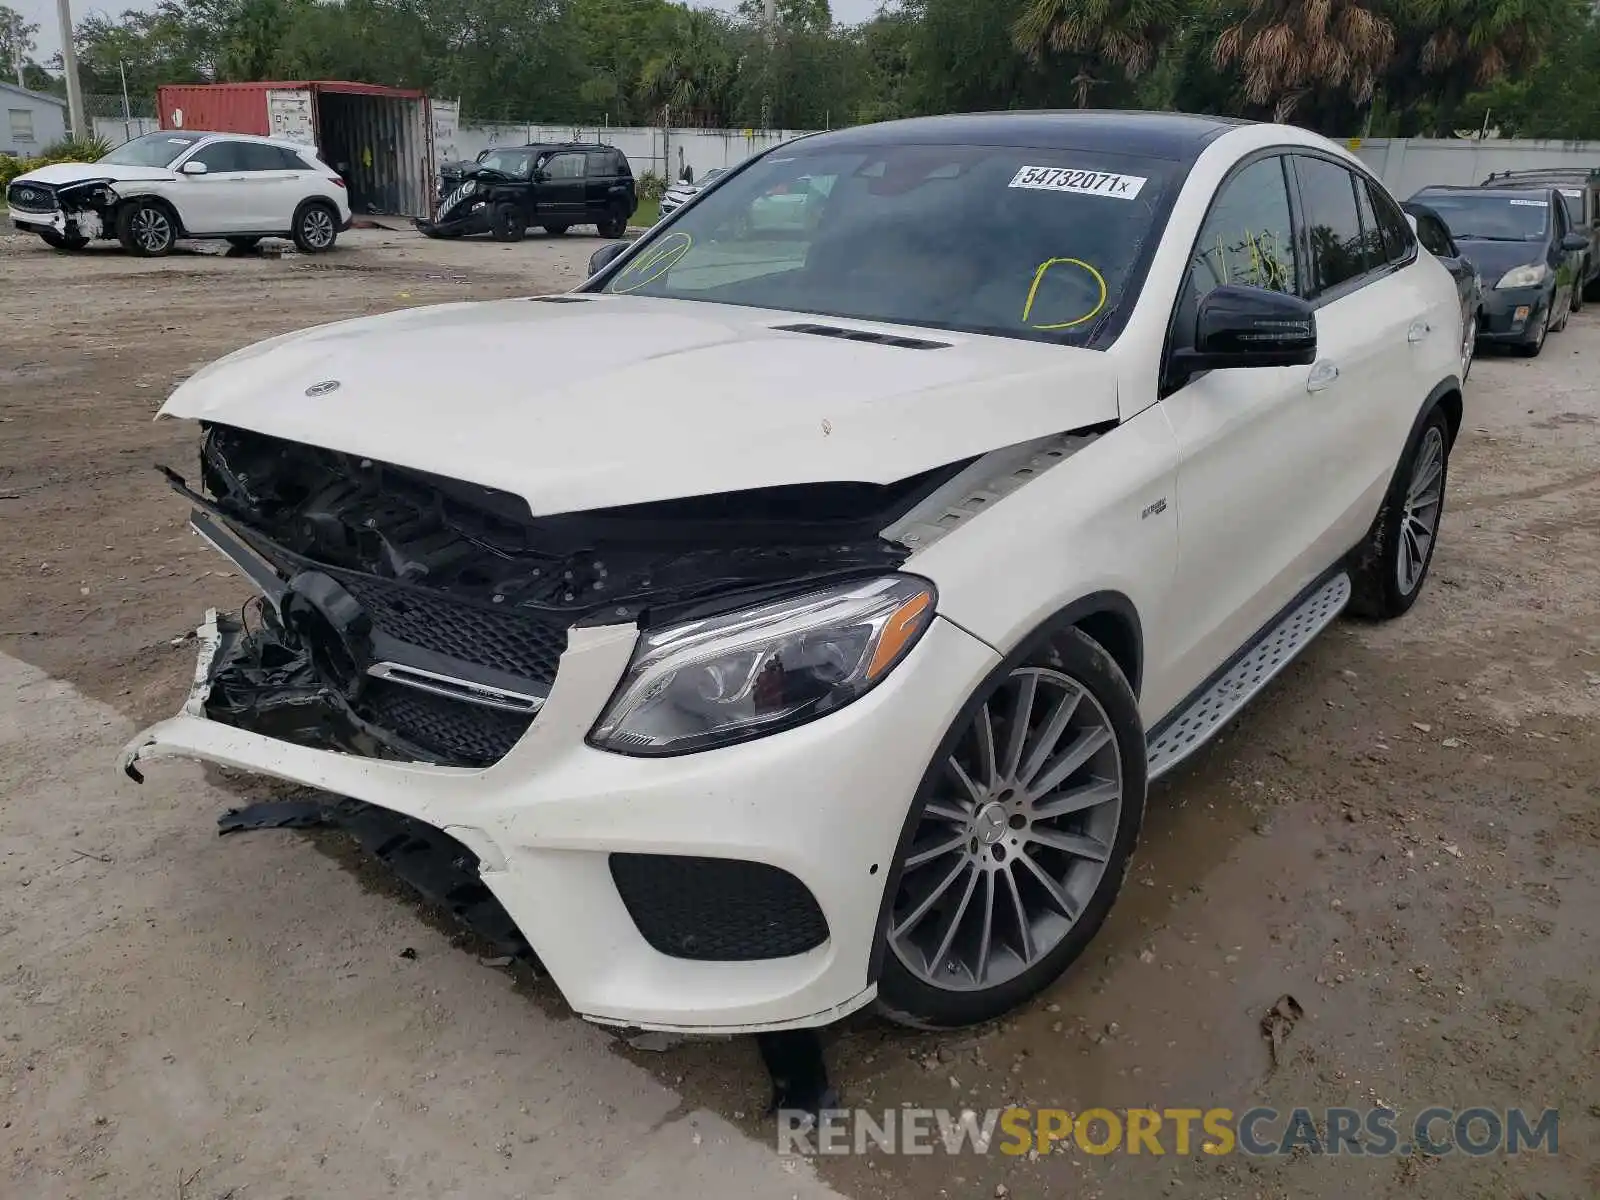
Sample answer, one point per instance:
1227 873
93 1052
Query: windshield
1491 218
1026 243
507 162
151 150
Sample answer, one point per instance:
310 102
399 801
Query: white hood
624 400
61 173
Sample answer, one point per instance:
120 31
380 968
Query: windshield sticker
1067 179
1575 193
1099 282
1531 203
655 262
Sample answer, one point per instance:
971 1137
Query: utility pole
771 15
69 63
16 46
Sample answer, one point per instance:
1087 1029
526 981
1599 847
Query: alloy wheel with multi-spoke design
151 229
1419 520
317 228
1469 345
1015 837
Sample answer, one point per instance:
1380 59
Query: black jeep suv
510 189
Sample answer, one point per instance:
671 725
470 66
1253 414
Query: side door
1563 262
603 190
1246 438
277 184
562 180
1387 333
1435 237
221 199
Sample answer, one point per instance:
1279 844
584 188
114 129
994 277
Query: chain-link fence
119 119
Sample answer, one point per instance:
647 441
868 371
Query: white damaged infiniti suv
805 630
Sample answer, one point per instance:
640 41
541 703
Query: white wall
116 131
49 123
701 148
1408 164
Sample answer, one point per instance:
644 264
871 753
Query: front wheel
507 224
1469 346
1577 288
1393 562
613 226
146 229
555 230
1025 825
63 241
316 228
1535 344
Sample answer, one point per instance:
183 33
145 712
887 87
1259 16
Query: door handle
1418 331
1324 374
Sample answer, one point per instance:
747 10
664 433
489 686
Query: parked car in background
679 194
834 672
1580 191
155 189
509 189
1435 237
1522 242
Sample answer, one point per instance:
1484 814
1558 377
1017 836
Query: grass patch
649 212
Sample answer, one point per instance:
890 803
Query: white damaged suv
806 631
156 189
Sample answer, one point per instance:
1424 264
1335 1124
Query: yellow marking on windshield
1038 278
654 262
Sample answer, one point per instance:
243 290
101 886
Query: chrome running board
1194 725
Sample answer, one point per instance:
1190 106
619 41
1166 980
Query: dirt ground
1403 835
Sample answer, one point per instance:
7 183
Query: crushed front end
430 646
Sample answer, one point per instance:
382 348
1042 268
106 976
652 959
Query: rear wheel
507 223
63 241
614 225
1024 830
244 243
316 228
1393 562
146 229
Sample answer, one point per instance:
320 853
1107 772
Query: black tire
1377 592
1591 290
507 224
911 999
1469 346
146 229
614 226
63 241
556 230
244 243
1532 348
1578 287
316 227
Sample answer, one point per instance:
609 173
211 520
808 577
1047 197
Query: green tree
1316 60
1126 34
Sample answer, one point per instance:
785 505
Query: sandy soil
1403 836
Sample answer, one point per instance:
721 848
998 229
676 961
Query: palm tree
1448 48
1290 49
1128 34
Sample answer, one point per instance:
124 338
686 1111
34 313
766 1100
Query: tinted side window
601 162
619 162
1372 256
258 156
220 156
1391 222
1333 221
1433 235
564 166
1247 237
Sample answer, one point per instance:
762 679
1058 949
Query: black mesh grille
506 640
459 733
718 909
31 197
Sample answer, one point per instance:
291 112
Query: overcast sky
49 39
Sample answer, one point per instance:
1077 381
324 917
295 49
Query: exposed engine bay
410 616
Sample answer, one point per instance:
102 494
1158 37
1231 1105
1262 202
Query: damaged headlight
746 674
